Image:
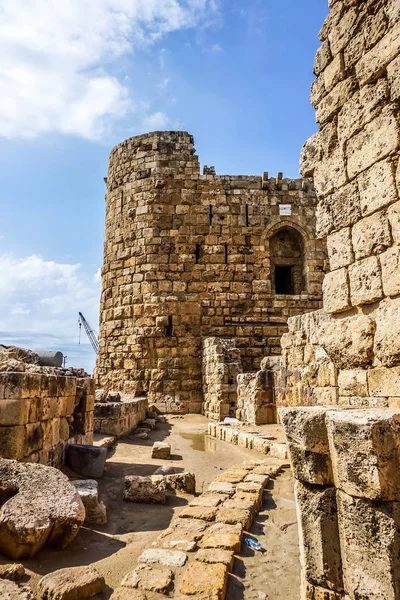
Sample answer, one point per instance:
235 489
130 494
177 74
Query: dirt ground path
114 548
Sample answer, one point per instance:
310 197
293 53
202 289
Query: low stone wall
192 558
346 465
329 360
221 366
40 414
250 440
256 394
117 418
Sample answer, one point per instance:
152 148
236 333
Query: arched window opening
287 262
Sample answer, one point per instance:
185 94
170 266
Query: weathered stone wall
346 465
187 256
40 414
256 396
221 365
117 418
350 352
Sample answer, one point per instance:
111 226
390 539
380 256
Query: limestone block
222 488
13 572
336 291
353 382
309 591
384 382
371 235
365 281
9 590
47 495
145 489
377 187
322 58
13 442
183 534
373 63
96 512
223 536
168 558
340 249
72 583
378 139
319 535
334 72
390 265
394 78
152 579
365 452
394 216
161 450
338 210
369 540
184 482
330 174
216 555
305 430
277 450
207 580
387 336
333 102
348 341
206 513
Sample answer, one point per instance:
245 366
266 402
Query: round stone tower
189 256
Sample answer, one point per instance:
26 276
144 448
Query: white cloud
57 58
40 301
216 48
156 121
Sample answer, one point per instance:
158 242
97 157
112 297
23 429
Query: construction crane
89 332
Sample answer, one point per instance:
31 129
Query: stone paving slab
199 545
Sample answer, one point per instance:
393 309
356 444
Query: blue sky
78 77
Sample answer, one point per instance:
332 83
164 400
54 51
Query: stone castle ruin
189 257
215 300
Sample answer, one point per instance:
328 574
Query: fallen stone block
13 572
74 583
145 489
9 590
165 470
183 482
85 460
124 593
161 450
319 535
149 424
96 512
152 579
365 452
369 540
43 508
159 556
207 579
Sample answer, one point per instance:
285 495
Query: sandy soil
115 547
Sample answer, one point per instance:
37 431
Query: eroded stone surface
145 489
73 583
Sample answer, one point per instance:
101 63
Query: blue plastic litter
253 544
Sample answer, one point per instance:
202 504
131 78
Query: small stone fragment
13 572
184 482
96 512
161 450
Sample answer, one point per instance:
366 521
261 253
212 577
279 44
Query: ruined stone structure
40 414
346 458
190 256
351 349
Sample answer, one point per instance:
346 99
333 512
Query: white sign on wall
285 210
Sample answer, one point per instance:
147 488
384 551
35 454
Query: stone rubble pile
192 558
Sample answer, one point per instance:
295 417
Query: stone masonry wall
221 367
187 256
40 414
117 418
346 468
352 348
